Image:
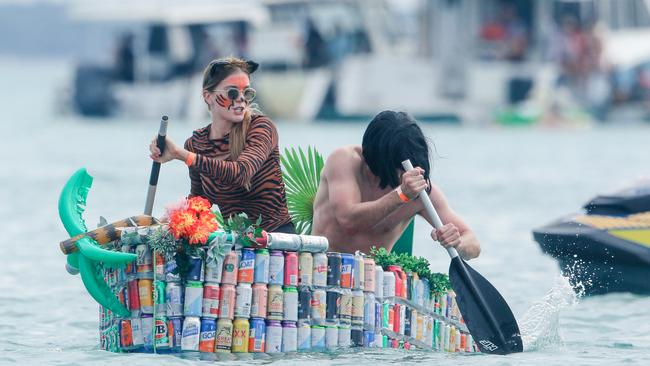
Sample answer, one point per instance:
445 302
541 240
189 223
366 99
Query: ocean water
504 182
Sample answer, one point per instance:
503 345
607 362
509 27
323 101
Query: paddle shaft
453 253
155 167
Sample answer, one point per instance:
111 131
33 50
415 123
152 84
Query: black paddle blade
487 315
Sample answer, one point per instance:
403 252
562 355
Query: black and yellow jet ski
607 248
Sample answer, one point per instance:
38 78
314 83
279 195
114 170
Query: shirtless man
366 199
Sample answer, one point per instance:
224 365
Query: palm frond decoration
301 174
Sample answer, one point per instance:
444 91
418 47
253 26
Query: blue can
170 268
378 315
347 268
208 335
175 333
257 335
276 268
262 266
195 269
368 338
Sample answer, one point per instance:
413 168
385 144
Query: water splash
540 324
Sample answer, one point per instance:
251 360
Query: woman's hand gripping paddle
487 315
155 168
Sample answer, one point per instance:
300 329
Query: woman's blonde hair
216 71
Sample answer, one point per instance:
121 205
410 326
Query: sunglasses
234 93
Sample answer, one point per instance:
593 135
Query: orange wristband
190 159
401 195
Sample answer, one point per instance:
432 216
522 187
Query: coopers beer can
289 337
319 273
208 335
257 335
273 336
246 270
276 268
191 334
241 328
223 341
261 270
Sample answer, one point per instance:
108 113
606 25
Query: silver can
344 336
174 297
331 336
313 244
273 337
243 298
357 308
191 333
289 337
379 282
284 242
318 306
358 272
305 269
389 284
369 311
304 336
290 306
143 255
213 270
319 273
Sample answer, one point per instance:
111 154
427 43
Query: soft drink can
159 269
304 303
161 335
214 270
378 316
345 312
145 294
240 331
136 330
389 284
368 338
331 336
246 271
318 306
276 268
313 244
259 300
208 335
143 255
230 268
170 268
290 306
347 263
193 304
333 298
175 331
334 269
126 334
305 269
357 308
159 297
289 336
147 331
319 273
369 311
304 335
291 269
369 275
244 295
211 295
282 241
356 336
191 334
134 295
273 336
257 335
317 337
275 308
396 318
223 340
261 266
400 280
227 301
379 282
344 336
195 269
358 275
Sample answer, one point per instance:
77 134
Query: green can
161 335
385 307
159 297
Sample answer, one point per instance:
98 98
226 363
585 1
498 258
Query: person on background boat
366 199
234 161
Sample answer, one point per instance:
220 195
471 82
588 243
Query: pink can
230 266
259 301
369 274
290 269
227 301
211 295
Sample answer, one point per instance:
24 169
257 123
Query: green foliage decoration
301 175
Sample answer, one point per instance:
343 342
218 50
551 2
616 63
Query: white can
331 336
273 337
290 305
213 270
344 336
284 242
379 282
389 284
243 298
313 244
289 337
191 334
319 274
318 337
358 272
304 336
136 329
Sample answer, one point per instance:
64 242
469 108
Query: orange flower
200 234
208 220
182 223
199 204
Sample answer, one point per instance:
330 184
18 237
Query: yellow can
240 335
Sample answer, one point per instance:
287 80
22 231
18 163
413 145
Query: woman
234 161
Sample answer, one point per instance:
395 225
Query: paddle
155 168
487 315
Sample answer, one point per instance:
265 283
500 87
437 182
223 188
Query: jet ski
606 248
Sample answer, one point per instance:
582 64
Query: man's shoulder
343 159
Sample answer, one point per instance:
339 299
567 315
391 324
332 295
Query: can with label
304 303
161 335
208 335
358 275
159 297
136 331
419 334
126 334
259 300
147 331
145 294
369 311
227 301
134 295
175 331
379 282
191 334
273 336
211 295
171 271
244 295
347 263
317 337
290 306
241 327
305 269
344 336
369 275
143 255
408 321
389 284
214 270
130 266
356 337
331 336
256 335
402 317
318 306
159 269
246 271
276 268
289 336
334 269
224 335
396 318
282 241
313 244
275 308
319 273
230 268
304 335
291 269
357 308
368 338
378 316
333 305
345 310
174 299
261 274
195 269
193 305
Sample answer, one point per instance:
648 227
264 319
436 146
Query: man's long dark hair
392 137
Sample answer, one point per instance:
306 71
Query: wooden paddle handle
424 197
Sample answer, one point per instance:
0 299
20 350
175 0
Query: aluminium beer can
305 269
317 337
331 336
347 265
208 335
319 272
136 330
223 337
273 336
379 282
211 295
318 306
291 269
304 303
369 275
227 301
290 304
358 272
304 336
261 270
259 301
240 334
195 269
230 268
174 297
333 298
193 304
214 270
246 271
147 331
369 311
313 244
191 334
257 335
283 241
389 284
275 308
175 330
289 336
334 269
344 336
145 294
170 268
244 296
345 310
357 308
276 268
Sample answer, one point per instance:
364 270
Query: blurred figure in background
315 47
124 59
506 37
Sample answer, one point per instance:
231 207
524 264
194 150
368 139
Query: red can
259 301
396 318
211 294
290 269
230 268
134 295
160 266
227 301
400 281
126 334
